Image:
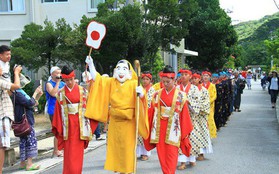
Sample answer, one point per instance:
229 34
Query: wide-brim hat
24 80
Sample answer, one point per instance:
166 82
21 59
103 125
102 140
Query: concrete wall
12 24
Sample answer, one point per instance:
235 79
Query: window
93 5
46 1
12 6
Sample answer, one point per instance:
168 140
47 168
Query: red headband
185 71
196 76
169 75
160 73
146 75
65 76
206 72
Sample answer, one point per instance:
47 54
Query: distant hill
251 36
257 30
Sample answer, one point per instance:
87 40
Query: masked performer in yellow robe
116 97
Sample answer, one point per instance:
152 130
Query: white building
15 14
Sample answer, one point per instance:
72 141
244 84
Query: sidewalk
45 148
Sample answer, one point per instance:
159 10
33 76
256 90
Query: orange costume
71 128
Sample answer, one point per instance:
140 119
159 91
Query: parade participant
171 123
219 100
244 74
86 82
146 78
53 85
226 92
6 107
120 93
202 118
212 96
159 85
177 82
72 130
192 93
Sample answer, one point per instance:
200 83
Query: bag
22 128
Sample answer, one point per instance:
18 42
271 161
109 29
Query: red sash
206 85
187 88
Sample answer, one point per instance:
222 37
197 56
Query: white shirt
274 83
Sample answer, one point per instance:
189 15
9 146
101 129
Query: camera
58 77
16 65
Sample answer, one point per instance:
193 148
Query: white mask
122 72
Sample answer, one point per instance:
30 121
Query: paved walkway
44 159
248 144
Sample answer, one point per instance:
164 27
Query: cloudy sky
245 10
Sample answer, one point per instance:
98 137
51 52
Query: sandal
192 164
60 154
100 138
33 167
200 157
182 167
22 167
144 158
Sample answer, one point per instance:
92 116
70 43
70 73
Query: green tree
40 46
272 47
165 22
134 32
211 34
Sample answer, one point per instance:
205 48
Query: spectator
249 79
263 80
273 87
6 105
239 86
24 104
52 87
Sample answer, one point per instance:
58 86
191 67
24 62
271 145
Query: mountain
258 29
251 36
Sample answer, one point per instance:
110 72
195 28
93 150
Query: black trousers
237 100
273 94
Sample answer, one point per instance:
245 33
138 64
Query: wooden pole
137 66
86 66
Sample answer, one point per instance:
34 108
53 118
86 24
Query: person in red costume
72 130
159 85
170 123
146 80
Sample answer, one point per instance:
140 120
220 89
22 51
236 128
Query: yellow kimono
157 86
211 123
121 98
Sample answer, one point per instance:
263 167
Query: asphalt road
249 144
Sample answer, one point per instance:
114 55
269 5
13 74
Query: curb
48 163
277 112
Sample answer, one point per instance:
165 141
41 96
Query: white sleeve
91 66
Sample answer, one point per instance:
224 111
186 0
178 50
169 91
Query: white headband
54 69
